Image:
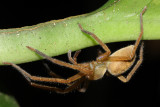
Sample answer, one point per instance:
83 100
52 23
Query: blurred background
143 89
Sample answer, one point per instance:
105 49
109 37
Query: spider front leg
56 61
72 60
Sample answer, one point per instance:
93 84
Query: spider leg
30 78
56 61
126 79
141 33
59 90
84 87
104 46
126 58
70 58
76 55
50 72
74 59
105 55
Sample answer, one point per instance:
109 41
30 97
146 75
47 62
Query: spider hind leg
129 76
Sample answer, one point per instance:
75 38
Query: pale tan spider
116 64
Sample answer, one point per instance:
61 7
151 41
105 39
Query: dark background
142 90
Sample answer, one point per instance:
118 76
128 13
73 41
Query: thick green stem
113 22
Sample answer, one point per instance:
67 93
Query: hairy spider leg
106 56
71 87
76 79
76 55
56 61
141 33
125 58
30 78
104 46
85 86
50 72
126 79
74 59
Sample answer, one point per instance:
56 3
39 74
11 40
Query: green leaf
113 22
7 101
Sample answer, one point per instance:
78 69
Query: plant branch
113 22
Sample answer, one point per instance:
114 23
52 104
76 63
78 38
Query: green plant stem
113 22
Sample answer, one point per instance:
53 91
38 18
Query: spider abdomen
119 67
